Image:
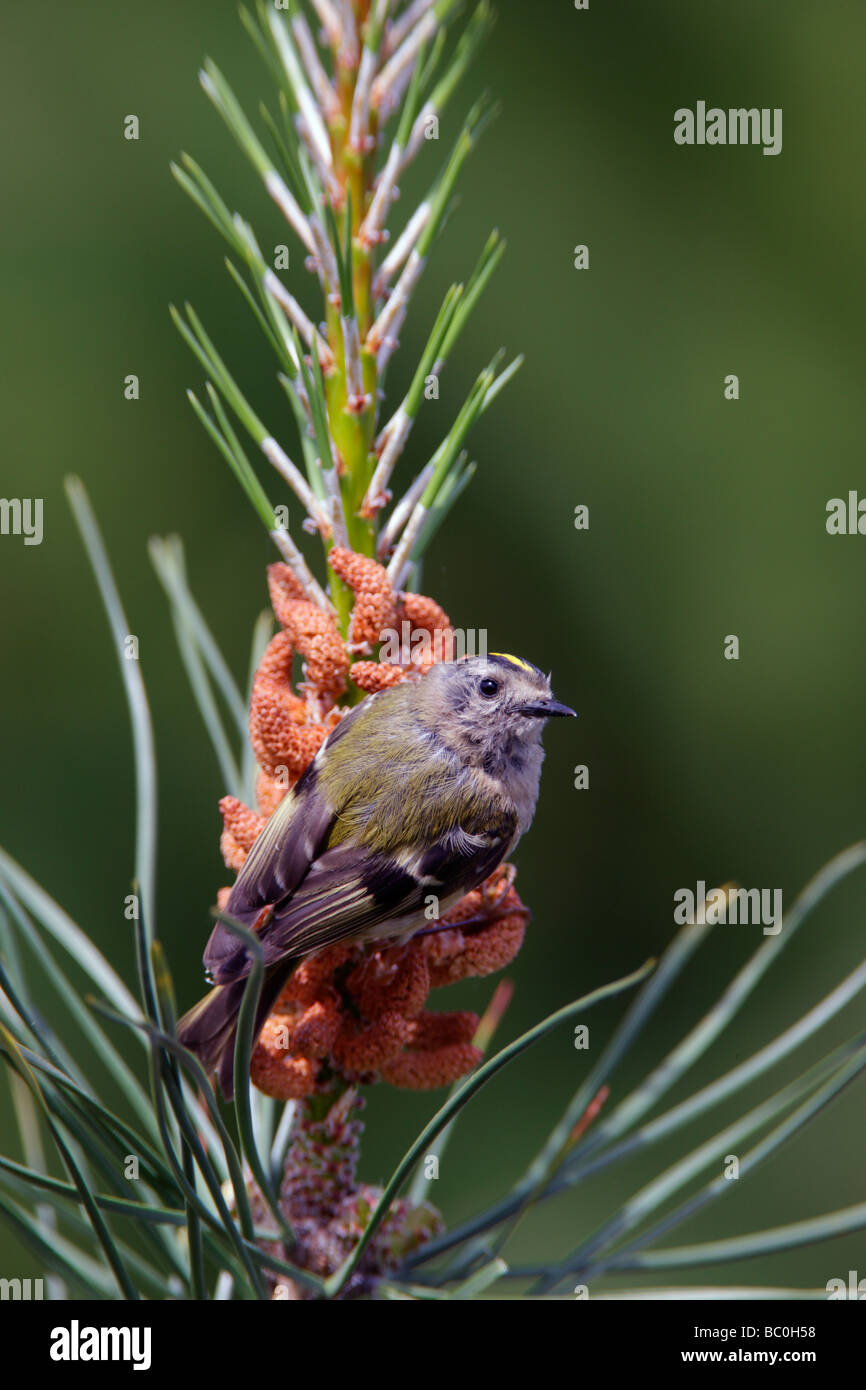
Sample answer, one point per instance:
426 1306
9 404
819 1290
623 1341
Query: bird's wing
351 890
280 857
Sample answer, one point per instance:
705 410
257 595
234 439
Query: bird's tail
208 1029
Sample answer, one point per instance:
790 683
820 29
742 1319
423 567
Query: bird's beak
547 709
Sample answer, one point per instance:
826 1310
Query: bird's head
489 707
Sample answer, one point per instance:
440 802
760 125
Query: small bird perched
420 791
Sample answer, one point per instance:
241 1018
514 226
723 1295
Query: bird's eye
488 687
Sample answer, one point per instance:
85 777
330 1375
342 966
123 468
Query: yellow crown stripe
515 660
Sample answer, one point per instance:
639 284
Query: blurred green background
706 518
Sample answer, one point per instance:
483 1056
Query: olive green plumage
417 795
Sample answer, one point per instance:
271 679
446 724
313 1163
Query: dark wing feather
296 834
277 863
293 838
351 891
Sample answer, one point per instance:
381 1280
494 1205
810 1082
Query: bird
419 792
